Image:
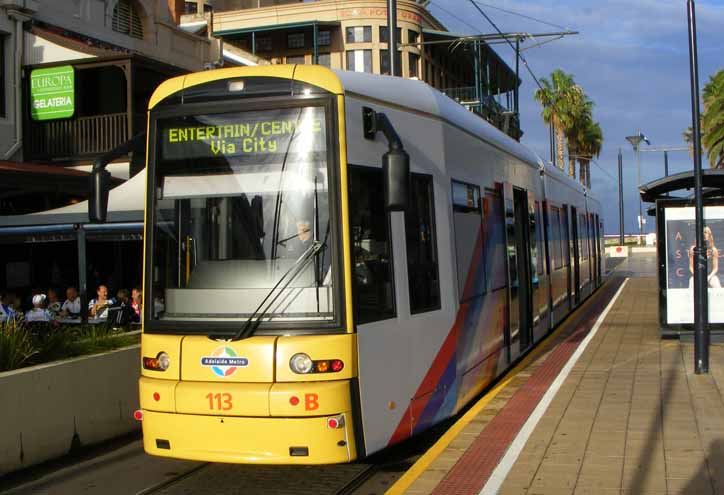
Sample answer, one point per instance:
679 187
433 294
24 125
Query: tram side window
468 222
583 236
556 241
372 255
422 266
565 233
539 239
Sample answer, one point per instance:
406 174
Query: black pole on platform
701 327
392 37
666 163
620 198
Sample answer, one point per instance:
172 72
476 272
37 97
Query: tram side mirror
98 204
396 173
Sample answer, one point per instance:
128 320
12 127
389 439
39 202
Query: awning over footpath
21 179
125 202
712 182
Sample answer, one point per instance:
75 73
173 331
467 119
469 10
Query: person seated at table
137 302
122 312
6 311
98 307
71 306
54 304
39 311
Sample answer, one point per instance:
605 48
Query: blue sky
631 57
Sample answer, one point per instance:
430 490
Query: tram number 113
219 402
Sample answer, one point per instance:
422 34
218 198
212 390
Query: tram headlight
301 363
160 363
164 361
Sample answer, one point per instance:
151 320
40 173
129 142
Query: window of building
372 273
414 61
412 36
324 59
359 34
208 8
359 60
263 44
385 34
468 223
295 59
191 8
2 76
385 61
324 38
422 270
127 19
295 40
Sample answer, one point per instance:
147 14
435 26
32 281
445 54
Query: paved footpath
631 417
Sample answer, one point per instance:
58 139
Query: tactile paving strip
472 470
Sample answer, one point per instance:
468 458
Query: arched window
127 19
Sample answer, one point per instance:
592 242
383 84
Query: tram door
517 230
567 254
576 253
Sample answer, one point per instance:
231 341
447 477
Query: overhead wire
512 12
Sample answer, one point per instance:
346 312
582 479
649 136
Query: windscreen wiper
255 319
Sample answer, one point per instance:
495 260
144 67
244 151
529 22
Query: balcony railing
488 108
82 137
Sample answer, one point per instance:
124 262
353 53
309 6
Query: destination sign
295 130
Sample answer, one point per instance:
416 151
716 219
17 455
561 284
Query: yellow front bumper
247 440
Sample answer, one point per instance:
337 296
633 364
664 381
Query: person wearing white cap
39 312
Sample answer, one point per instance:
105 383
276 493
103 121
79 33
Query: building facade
353 35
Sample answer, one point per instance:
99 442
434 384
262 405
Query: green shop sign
52 93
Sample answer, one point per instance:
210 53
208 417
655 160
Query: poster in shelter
680 242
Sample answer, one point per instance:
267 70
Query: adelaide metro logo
224 362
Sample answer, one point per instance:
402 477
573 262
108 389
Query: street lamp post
620 198
701 330
636 142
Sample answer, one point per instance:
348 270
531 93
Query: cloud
631 58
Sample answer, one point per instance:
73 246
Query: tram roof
419 97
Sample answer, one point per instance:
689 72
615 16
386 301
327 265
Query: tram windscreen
241 212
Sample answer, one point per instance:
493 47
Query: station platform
603 406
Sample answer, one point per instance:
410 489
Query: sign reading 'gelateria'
52 93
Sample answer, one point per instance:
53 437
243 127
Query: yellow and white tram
297 308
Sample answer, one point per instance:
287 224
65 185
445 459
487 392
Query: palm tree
554 97
589 146
712 120
575 120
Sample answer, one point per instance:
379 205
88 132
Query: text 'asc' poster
680 242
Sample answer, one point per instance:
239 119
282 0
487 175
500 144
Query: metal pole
552 140
478 88
638 184
315 44
82 274
620 198
392 37
517 63
666 163
701 330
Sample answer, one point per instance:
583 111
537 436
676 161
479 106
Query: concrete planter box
50 409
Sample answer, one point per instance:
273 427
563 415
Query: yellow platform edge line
407 479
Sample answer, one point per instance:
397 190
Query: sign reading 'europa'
52 93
